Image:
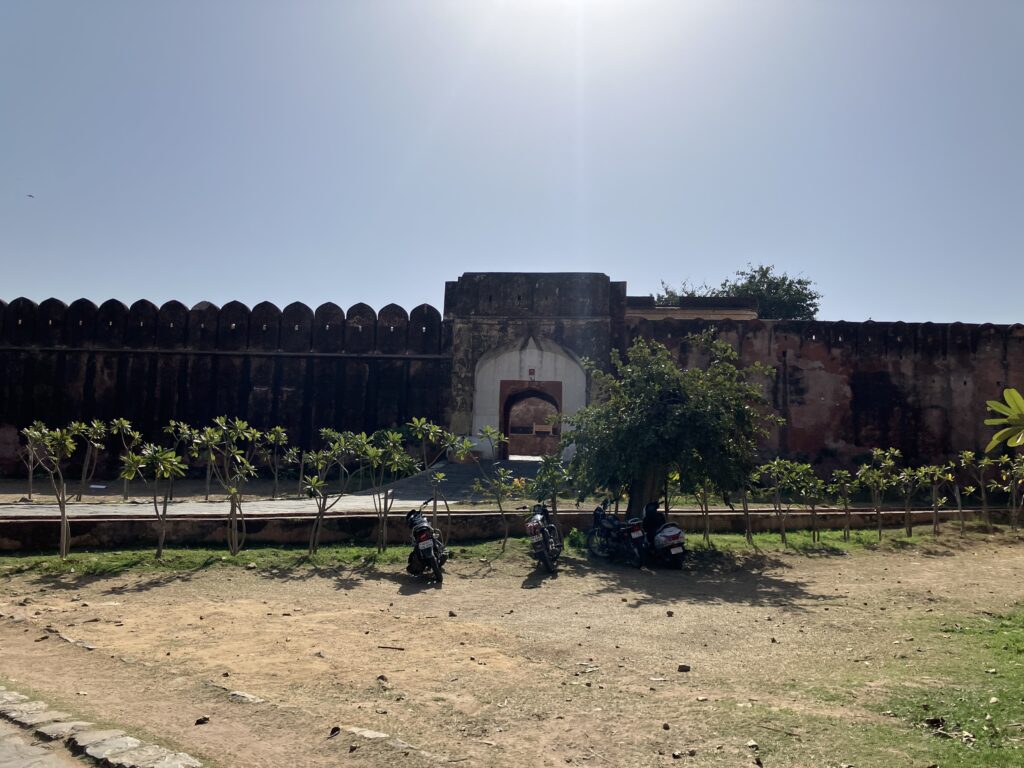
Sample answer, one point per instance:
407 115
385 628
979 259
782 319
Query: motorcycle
616 539
428 552
545 538
667 540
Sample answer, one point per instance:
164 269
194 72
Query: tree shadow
709 576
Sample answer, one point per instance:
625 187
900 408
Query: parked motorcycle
428 552
616 539
667 540
545 538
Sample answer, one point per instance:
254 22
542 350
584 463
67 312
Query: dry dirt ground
502 666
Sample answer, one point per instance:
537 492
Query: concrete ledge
125 533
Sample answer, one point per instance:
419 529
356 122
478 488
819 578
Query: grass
114 562
732 545
976 717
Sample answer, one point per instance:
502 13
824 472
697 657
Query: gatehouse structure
507 351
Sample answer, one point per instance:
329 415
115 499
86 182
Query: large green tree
779 296
649 416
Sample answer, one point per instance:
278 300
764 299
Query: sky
370 150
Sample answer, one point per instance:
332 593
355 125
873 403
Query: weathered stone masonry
843 387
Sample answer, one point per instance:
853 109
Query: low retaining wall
42 534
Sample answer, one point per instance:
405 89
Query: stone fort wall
297 367
843 387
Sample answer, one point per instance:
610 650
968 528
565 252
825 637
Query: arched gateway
523 390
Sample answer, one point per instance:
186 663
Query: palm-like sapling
129 439
92 436
30 452
232 445
157 467
842 486
878 475
55 447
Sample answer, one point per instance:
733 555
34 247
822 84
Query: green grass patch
976 718
114 562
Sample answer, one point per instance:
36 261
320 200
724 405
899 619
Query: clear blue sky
368 151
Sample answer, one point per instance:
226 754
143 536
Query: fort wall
297 367
844 388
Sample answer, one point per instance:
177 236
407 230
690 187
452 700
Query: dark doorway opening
529 416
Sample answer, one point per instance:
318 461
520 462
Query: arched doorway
530 418
519 386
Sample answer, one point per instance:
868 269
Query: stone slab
103 749
83 739
37 718
61 730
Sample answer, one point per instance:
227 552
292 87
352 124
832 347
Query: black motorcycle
545 538
615 539
428 551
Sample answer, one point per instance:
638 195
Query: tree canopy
649 416
779 296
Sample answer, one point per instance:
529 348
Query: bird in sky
32 196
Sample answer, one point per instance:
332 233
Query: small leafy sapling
431 439
130 438
30 452
978 470
92 436
183 439
1009 479
842 486
878 475
232 445
936 478
812 490
338 453
55 447
779 477
157 467
384 456
908 481
497 482
274 453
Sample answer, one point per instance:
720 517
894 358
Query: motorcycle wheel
596 544
545 555
635 556
415 566
677 560
435 565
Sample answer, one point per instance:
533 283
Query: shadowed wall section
300 368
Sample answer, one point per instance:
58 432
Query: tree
936 478
30 453
779 296
274 452
92 436
184 440
129 439
812 490
498 482
1010 419
155 465
648 416
841 488
552 479
383 454
55 447
232 445
339 452
878 475
977 469
781 477
908 481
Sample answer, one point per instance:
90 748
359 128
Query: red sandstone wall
847 387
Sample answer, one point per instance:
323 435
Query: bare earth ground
787 650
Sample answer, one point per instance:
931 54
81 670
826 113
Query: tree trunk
314 535
748 532
209 477
846 516
504 520
908 517
877 499
642 489
985 515
302 469
814 525
960 509
85 471
162 531
31 472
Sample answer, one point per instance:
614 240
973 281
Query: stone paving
19 749
36 737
